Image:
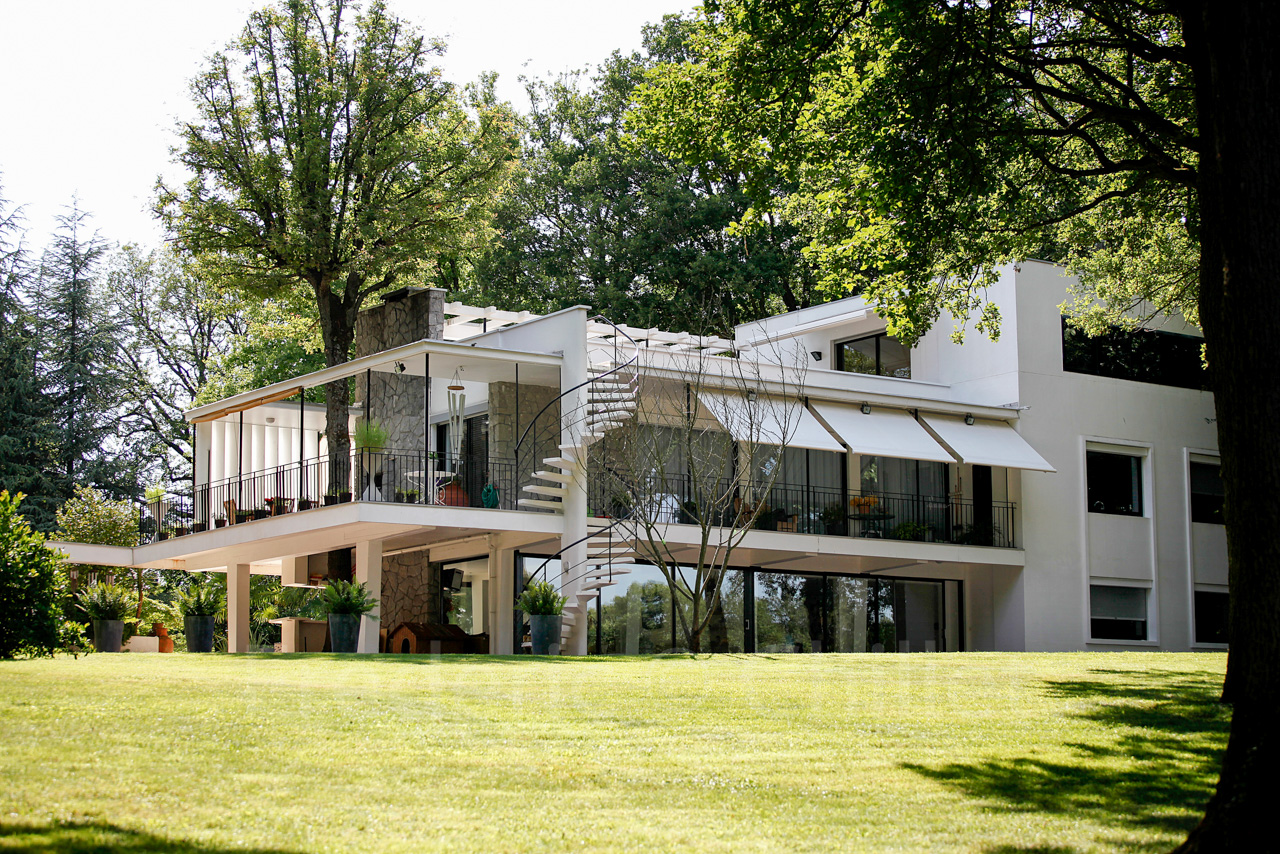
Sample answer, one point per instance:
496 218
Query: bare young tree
701 451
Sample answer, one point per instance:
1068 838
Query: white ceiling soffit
769 421
881 433
985 443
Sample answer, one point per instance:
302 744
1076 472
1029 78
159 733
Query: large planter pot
344 632
454 495
199 632
544 633
108 635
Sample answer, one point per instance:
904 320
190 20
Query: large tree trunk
1235 59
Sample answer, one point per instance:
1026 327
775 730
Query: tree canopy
328 151
926 143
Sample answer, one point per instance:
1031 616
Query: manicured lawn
975 752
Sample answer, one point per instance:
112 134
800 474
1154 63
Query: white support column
217 450
256 438
369 573
271 446
573 410
238 607
231 444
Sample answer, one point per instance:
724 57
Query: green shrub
107 602
369 436
31 621
202 599
541 598
348 597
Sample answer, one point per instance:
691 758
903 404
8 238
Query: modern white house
1043 491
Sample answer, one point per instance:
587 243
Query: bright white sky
90 89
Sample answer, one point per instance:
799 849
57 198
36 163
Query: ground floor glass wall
789 613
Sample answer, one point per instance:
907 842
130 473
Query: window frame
1214 515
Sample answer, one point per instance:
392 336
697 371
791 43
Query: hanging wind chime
457 403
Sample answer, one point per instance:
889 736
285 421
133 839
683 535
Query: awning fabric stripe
768 420
985 442
881 433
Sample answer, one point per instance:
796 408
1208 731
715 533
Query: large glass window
902 499
875 354
1114 483
1141 355
635 616
798 612
807 493
1212 609
1117 613
1206 493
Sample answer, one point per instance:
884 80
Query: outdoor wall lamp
866 408
816 354
400 369
968 418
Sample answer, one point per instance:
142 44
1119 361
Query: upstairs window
1141 355
1206 493
1114 483
879 354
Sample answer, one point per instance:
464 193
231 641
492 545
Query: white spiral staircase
611 403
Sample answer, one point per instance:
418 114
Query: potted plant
108 606
345 602
262 511
454 494
543 605
180 531
243 516
304 504
219 521
199 604
199 527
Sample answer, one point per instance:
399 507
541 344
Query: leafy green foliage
204 598
347 597
924 144
540 597
329 153
600 216
369 435
106 601
30 591
174 326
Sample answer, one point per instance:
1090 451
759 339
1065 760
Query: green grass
974 752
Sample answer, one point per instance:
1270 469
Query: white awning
769 421
985 443
881 433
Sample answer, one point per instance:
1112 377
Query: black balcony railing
397 477
807 509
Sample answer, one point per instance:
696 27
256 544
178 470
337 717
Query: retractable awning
881 433
985 442
769 421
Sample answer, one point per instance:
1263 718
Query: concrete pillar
502 566
238 607
369 573
573 409
293 571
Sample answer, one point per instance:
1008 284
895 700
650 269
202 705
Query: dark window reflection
876 354
1141 355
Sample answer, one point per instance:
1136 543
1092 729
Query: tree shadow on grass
100 837
1154 770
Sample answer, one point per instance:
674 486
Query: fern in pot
345 602
200 604
544 606
108 606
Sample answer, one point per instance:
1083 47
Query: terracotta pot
453 495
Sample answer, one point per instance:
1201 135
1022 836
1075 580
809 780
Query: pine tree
78 357
26 443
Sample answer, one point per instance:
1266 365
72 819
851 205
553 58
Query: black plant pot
544 634
330 500
344 632
261 513
242 516
200 527
219 523
304 504
344 497
199 632
108 635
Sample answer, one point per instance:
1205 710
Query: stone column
369 573
238 607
